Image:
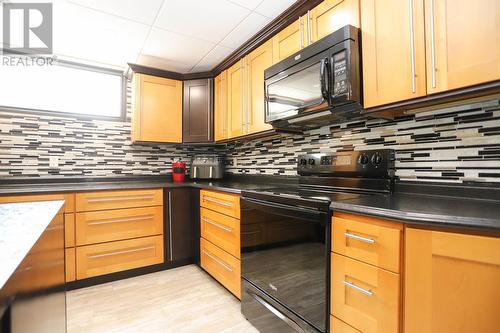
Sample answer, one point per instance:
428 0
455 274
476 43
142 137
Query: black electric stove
285 238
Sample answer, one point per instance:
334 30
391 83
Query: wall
456 144
83 147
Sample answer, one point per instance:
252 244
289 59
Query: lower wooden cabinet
222 266
221 230
364 296
452 282
99 259
70 255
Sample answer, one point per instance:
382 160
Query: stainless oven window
293 93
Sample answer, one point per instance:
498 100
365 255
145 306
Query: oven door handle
284 210
324 74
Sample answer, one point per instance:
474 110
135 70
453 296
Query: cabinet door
180 226
235 81
197 111
452 282
331 15
157 113
393 51
220 106
290 40
462 43
257 62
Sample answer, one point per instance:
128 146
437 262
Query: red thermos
178 171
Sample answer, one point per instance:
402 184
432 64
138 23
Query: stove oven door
284 265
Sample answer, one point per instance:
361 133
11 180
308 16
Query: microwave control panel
340 85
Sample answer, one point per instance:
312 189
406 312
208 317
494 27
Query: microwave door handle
324 77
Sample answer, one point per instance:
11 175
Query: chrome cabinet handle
300 34
433 44
412 48
121 198
123 220
361 290
278 313
362 239
218 261
171 240
241 97
309 26
215 224
217 202
120 252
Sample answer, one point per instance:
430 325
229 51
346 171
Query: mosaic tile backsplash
457 144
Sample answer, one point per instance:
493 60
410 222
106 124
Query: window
62 87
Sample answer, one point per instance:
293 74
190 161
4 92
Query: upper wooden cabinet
393 51
462 43
157 109
235 99
331 15
257 61
220 106
290 40
197 111
452 282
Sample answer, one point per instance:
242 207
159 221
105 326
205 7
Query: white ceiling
177 35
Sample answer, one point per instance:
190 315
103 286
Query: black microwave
317 86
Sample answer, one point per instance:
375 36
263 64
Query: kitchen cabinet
257 61
157 109
220 238
365 274
290 40
179 225
451 282
197 111
393 51
235 99
220 107
461 52
331 15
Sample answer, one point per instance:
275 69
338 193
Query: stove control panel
368 163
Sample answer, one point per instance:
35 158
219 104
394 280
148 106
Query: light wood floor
185 299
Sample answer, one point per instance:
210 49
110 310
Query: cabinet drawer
338 326
69 198
118 199
119 224
222 266
370 240
363 296
93 260
225 203
221 230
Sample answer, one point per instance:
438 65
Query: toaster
207 167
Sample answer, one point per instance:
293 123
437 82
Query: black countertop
436 205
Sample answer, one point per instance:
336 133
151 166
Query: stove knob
311 161
376 159
303 161
363 159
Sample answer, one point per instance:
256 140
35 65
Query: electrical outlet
53 161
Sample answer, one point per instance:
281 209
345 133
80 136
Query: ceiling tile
272 8
174 47
246 29
250 4
161 63
213 58
140 11
109 39
208 20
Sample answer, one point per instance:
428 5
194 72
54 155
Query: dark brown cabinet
197 111
180 226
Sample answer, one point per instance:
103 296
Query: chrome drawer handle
122 198
217 260
278 313
215 224
366 292
121 252
362 239
217 202
127 219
